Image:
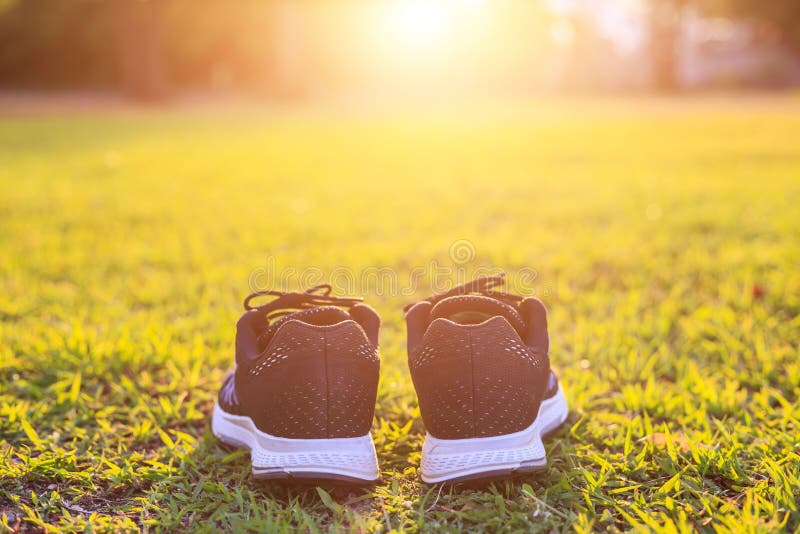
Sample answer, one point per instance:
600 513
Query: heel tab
535 314
369 320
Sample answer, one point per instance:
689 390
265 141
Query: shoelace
480 286
291 302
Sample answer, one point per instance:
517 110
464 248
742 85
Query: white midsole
349 457
446 459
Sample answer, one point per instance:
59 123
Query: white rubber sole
342 460
457 460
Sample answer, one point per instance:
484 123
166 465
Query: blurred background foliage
88 43
151 48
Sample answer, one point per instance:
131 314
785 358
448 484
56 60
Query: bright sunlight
419 23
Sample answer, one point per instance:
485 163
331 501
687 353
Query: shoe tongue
324 315
474 309
320 316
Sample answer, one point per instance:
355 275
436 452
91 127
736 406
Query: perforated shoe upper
309 374
480 365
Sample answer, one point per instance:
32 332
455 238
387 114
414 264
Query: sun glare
419 23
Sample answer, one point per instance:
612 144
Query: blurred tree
145 46
140 46
57 44
220 45
783 14
665 25
140 29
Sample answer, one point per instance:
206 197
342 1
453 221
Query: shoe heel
459 460
338 460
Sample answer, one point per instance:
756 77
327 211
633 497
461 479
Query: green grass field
665 235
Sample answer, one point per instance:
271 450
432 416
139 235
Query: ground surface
666 240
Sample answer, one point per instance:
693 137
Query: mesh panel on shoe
353 367
449 408
510 384
443 381
351 340
312 382
442 344
350 414
291 340
291 408
477 380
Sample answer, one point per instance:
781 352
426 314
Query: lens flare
419 23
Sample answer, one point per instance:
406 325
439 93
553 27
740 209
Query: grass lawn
666 240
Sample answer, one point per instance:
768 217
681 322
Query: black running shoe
302 396
480 365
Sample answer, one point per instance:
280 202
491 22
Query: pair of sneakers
302 396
